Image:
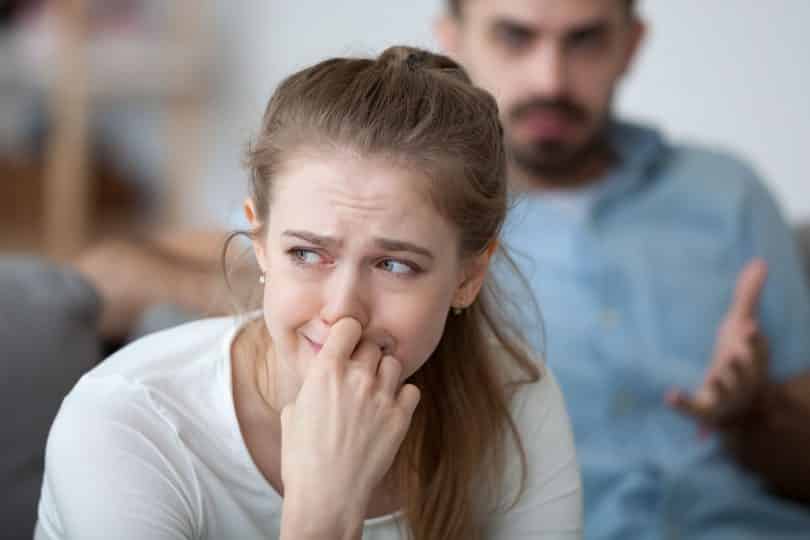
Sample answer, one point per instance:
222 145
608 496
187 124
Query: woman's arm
113 470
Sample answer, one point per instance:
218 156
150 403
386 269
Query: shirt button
610 317
673 533
623 403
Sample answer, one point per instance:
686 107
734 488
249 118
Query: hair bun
415 59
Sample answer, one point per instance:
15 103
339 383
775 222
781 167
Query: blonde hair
420 110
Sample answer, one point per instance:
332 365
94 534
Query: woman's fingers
341 341
366 357
408 398
388 374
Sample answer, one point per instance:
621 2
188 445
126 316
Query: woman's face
350 236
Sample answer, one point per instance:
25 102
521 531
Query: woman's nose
345 295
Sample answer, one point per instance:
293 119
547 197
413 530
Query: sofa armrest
48 339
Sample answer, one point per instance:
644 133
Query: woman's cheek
420 340
286 308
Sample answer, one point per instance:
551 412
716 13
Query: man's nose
547 71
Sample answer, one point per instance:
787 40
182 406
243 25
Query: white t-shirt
147 445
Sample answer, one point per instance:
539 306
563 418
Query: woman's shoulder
109 448
128 429
177 376
160 352
547 494
530 383
157 379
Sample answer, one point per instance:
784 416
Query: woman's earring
458 310
262 279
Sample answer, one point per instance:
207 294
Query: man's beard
557 161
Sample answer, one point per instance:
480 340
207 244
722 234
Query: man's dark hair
454 7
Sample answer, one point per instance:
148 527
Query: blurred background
122 114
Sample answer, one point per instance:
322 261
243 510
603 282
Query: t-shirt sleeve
550 506
115 468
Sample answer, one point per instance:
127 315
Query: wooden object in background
67 191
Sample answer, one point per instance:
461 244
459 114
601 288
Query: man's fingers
682 402
342 339
720 388
759 345
743 371
724 383
749 287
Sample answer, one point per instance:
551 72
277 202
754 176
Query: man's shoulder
699 163
701 175
703 167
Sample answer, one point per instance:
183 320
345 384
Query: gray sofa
48 339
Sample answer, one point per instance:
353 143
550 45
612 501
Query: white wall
731 73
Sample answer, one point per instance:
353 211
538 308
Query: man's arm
180 268
766 424
773 439
755 391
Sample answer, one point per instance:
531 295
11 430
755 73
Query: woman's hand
341 434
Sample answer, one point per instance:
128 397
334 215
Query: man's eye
587 39
513 38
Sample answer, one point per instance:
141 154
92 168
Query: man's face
552 65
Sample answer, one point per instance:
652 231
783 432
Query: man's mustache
560 106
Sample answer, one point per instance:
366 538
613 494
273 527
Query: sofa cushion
48 339
803 237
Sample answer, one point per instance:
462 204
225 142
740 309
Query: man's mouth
545 124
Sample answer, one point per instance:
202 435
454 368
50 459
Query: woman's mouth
315 346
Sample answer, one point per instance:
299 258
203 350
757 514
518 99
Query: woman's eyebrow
389 244
312 238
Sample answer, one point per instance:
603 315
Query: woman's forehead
331 191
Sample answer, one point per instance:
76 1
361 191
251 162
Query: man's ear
474 273
256 228
638 31
447 32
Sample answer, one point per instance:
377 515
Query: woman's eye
305 256
396 267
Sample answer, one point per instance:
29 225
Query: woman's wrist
304 519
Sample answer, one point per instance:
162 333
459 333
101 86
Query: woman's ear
256 237
474 273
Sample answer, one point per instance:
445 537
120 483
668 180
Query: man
634 247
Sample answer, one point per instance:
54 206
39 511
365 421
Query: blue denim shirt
631 292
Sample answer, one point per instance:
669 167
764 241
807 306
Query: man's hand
739 366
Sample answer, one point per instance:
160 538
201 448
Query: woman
380 392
